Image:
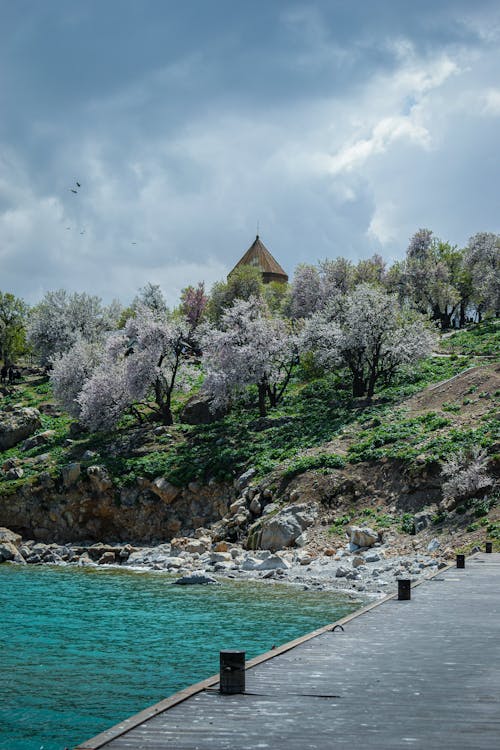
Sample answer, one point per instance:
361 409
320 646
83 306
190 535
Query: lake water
82 649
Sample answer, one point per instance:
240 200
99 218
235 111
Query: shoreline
370 572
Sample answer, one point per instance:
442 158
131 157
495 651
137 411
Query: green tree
13 312
243 283
434 278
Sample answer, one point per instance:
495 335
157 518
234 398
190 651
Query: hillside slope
377 462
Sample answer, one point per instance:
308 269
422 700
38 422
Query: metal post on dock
404 589
489 547
232 672
460 561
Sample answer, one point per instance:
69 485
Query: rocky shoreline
368 571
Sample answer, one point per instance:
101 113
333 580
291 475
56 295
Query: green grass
314 411
482 339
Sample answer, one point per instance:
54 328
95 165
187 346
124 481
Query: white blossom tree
433 277
61 319
306 291
249 348
71 370
369 333
482 259
150 295
315 287
133 370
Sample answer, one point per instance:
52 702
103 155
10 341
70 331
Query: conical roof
259 256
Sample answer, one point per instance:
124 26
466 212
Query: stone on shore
108 558
197 579
363 536
285 527
273 562
6 535
8 551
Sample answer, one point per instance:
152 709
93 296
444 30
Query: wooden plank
420 673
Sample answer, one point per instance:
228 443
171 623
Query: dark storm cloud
341 127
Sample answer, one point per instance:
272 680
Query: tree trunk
445 321
463 307
358 385
163 401
262 399
371 383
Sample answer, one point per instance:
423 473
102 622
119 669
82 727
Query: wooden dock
423 674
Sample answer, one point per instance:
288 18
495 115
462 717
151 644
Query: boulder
255 506
11 463
237 506
10 537
197 410
16 473
273 562
220 557
342 572
70 473
421 521
17 424
221 547
8 551
99 478
108 558
302 540
42 438
285 527
433 545
245 478
363 536
197 579
198 545
250 563
164 489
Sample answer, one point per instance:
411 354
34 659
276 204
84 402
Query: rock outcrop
86 505
281 530
17 424
197 410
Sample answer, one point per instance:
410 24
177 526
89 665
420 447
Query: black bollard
404 589
460 561
232 672
489 547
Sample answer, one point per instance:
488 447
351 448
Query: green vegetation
318 410
481 339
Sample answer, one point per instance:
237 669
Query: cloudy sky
338 126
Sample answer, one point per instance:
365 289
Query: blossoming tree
249 348
370 334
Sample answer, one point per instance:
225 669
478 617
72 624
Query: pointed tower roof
259 256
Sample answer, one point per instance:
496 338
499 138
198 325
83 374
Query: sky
331 127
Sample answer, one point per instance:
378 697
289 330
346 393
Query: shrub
465 475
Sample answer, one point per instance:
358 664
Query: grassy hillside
446 403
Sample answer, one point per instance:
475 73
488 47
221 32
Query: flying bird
73 191
78 184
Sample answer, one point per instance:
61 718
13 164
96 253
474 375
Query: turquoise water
82 649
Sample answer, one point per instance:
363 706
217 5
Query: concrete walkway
420 674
